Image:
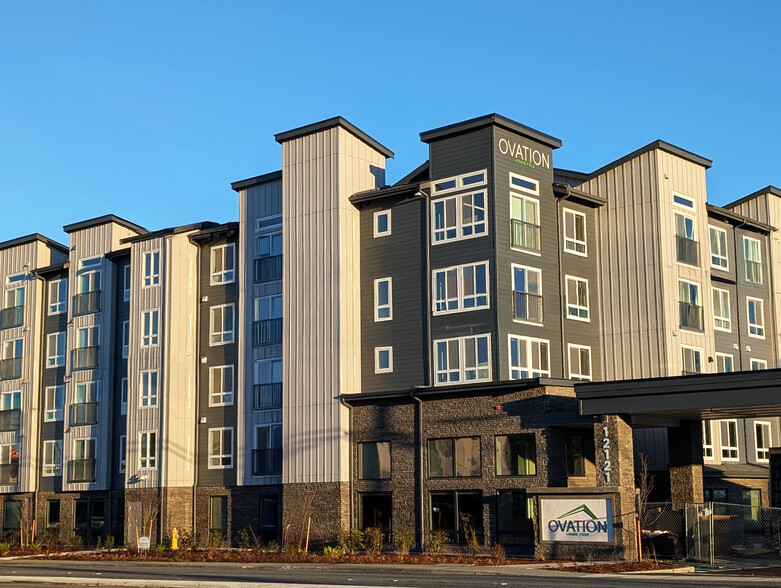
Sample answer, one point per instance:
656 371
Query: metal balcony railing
687 251
11 369
9 474
266 396
691 316
11 317
84 413
527 307
85 358
266 462
10 419
268 269
82 470
525 235
753 272
86 302
268 332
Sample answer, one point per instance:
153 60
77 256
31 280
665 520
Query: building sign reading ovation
576 519
524 155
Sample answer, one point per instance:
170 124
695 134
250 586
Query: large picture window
455 457
374 460
461 288
465 359
529 358
515 455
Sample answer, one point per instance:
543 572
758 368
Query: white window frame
377 352
757 364
459 225
53 413
222 337
91 336
690 201
465 374
746 240
224 276
727 450
11 346
51 467
222 397
535 191
525 198
150 268
459 182
123 394
578 375
571 243
88 448
721 361
693 237
574 305
721 322
148 388
530 343
125 339
59 305
85 392
15 402
527 270
695 351
150 327
718 254
268 303
271 236
58 359
126 282
762 454
122 453
755 330
222 455
379 308
147 442
376 221
460 297
707 448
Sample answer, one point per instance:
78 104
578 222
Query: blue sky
149 110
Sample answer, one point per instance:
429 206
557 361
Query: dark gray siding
121 314
728 343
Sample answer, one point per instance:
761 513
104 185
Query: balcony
82 470
9 474
268 332
9 419
266 396
527 307
687 251
85 358
268 269
11 369
84 413
525 235
11 317
691 316
753 272
86 302
266 462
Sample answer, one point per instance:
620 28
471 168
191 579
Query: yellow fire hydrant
174 539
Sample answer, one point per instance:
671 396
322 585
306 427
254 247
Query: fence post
710 529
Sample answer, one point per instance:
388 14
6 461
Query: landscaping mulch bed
617 568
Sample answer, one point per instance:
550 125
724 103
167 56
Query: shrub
437 541
329 551
272 546
373 540
350 540
215 540
35 546
403 540
159 549
5 547
472 542
77 542
497 551
188 540
99 542
109 542
243 539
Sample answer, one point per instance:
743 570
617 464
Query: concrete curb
680 570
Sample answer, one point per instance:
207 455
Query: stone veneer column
685 450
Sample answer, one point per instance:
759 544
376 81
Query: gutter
350 481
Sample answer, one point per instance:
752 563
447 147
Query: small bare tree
645 486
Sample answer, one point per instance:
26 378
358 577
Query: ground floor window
576 462
375 511
268 514
452 512
12 515
753 500
89 518
515 455
514 518
715 495
218 515
52 514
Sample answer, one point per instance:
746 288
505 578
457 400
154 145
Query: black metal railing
85 357
9 474
266 462
82 470
12 316
11 368
268 269
691 316
10 419
86 302
268 332
687 251
525 235
84 413
267 396
753 272
527 307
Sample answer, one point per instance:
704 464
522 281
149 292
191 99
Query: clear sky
149 109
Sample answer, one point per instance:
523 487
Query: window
221 448
574 455
126 282
756 317
383 299
147 449
223 264
762 440
269 245
527 295
464 181
271 220
12 515
123 396
82 466
724 363
577 298
683 200
125 339
53 402
529 358
58 296
221 385
149 327
383 360
574 232
382 223
715 494
374 460
268 384
757 364
55 350
52 458
466 359
147 391
52 514
718 248
83 449
15 290
515 455
86 392
374 510
9 456
579 362
753 499
455 457
729 440
267 456
221 325
752 253
151 269
218 515
89 281
459 217
691 360
452 511
514 523
707 439
87 337
12 349
525 221
11 367
10 400
721 310
122 453
689 306
461 288
687 248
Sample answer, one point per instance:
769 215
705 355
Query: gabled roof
768 190
735 218
419 174
658 144
486 120
102 220
170 231
29 239
262 179
329 123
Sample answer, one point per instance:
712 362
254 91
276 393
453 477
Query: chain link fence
663 530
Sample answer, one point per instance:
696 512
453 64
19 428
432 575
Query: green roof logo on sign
577 509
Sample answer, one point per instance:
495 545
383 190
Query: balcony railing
525 235
10 419
268 269
84 413
268 332
266 462
527 307
9 474
267 396
85 358
11 369
11 317
753 272
82 470
86 302
691 316
687 251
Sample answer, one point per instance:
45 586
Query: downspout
36 409
562 286
421 498
352 465
196 452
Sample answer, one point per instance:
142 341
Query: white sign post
576 519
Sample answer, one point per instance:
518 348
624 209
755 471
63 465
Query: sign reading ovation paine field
576 519
523 154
